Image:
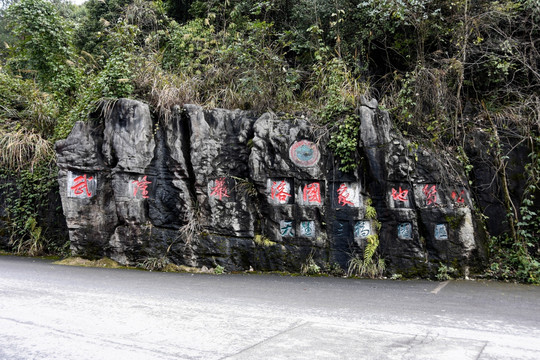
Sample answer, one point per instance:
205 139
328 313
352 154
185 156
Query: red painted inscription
431 194
141 185
400 195
343 195
220 189
81 185
312 193
279 191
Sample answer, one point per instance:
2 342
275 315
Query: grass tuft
22 148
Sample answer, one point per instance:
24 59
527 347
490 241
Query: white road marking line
440 287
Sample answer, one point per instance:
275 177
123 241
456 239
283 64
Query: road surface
51 311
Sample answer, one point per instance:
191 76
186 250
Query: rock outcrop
218 187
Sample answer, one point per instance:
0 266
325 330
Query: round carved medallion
304 153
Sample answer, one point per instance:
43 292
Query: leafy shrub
218 270
333 269
25 105
445 272
235 68
337 94
515 264
25 200
43 45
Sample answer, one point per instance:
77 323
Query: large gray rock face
128 141
289 173
423 199
219 187
219 157
116 187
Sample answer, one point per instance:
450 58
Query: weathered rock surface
218 187
423 200
480 148
219 156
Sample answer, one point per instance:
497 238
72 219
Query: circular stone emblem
304 153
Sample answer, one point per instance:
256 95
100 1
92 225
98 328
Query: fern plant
367 266
371 212
371 247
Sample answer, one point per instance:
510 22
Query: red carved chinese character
220 189
141 185
458 198
400 195
278 191
312 193
81 185
343 195
431 194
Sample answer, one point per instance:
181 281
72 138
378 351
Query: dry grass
424 96
192 228
164 90
77 261
142 14
111 264
186 269
22 148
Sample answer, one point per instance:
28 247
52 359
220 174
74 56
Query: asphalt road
59 312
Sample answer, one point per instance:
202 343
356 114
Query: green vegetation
445 272
369 265
442 69
263 241
371 212
218 270
333 269
310 267
26 200
154 263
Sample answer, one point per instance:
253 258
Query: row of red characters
280 191
311 192
430 193
80 186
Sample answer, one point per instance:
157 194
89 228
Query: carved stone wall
219 187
